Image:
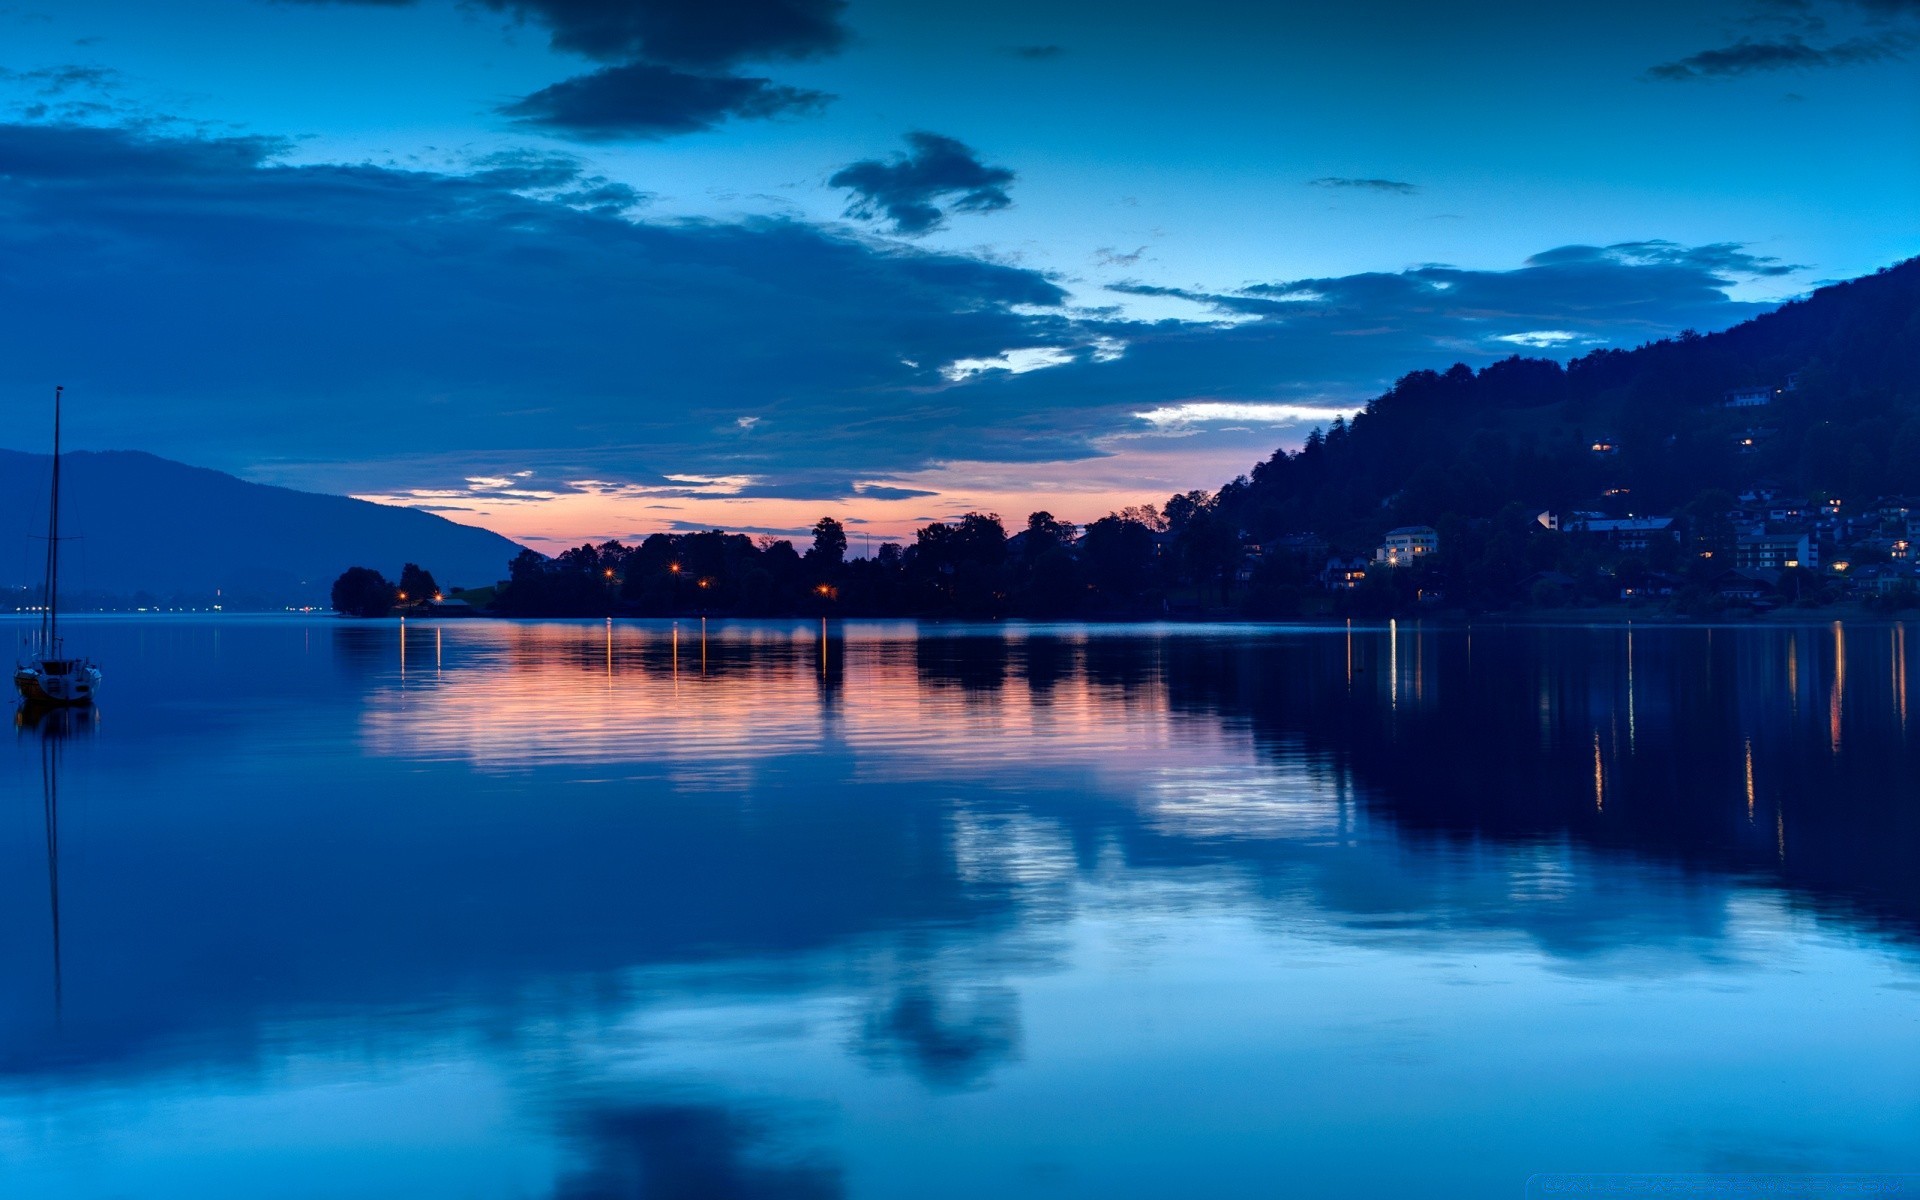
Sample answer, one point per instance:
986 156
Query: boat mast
50 617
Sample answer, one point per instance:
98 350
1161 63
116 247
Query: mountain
146 524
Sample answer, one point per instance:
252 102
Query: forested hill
1523 431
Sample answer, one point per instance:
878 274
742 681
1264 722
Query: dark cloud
917 190
687 33
1747 56
558 177
670 61
447 318
1036 53
876 492
642 100
1723 262
58 81
1366 185
414 329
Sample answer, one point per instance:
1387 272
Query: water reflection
709 908
1673 732
51 728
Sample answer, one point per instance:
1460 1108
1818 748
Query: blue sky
587 268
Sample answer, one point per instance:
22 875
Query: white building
1626 533
1407 544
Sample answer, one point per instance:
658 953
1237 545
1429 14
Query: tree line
365 592
1123 564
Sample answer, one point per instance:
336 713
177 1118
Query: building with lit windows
1407 544
1775 550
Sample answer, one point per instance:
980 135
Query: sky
589 269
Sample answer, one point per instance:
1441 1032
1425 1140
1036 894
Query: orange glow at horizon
1080 491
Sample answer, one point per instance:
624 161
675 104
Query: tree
1118 556
829 544
417 585
362 592
1046 532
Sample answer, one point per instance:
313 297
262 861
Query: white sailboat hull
65 684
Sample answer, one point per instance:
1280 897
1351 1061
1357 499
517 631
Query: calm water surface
318 909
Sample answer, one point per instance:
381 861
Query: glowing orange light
609 572
674 567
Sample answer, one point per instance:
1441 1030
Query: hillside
147 524
1524 431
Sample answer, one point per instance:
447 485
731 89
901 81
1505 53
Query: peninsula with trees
1774 464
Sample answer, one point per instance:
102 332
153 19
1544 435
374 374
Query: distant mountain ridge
148 524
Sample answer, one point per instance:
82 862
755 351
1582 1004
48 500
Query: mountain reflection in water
792 909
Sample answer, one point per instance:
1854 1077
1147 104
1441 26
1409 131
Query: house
1406 544
1748 397
1892 510
1343 574
1773 551
1744 586
1625 533
1604 447
1884 578
1548 520
1305 545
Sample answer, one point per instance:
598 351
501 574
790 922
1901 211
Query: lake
312 908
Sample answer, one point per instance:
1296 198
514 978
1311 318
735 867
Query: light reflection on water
581 910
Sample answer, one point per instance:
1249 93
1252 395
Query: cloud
642 100
1747 56
1539 339
880 491
437 334
688 33
1199 411
1014 362
558 177
1724 262
459 319
917 190
69 77
669 62
1393 186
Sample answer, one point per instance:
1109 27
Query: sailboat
51 678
